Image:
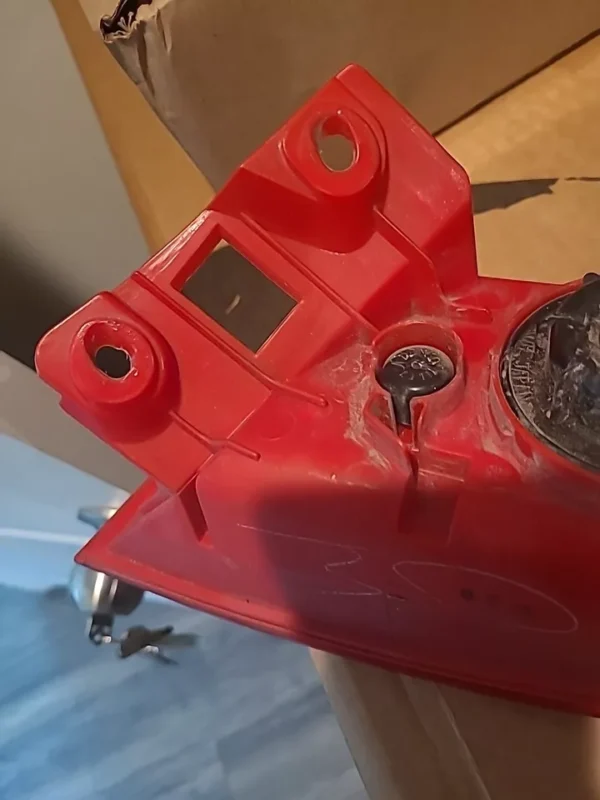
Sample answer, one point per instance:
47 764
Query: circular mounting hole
112 361
336 151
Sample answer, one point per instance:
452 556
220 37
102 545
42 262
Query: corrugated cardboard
224 75
417 740
533 156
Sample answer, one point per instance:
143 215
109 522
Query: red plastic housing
281 495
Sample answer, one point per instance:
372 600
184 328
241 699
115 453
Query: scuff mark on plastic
357 430
353 373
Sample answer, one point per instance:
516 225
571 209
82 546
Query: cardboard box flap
223 76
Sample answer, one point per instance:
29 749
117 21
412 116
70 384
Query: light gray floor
241 717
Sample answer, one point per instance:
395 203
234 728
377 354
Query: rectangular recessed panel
238 296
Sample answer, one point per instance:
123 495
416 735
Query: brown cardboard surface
417 740
541 135
422 741
224 75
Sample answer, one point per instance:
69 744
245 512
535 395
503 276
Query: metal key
139 639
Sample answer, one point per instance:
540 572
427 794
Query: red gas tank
352 439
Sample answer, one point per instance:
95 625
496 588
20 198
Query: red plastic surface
281 495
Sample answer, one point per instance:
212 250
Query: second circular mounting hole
336 151
112 361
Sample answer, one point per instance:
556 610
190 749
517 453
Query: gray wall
66 226
67 229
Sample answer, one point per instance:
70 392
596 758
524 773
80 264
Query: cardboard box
223 76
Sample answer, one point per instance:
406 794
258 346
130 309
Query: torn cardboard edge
223 77
126 16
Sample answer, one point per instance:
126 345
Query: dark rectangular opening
238 296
